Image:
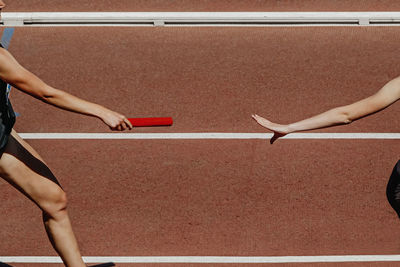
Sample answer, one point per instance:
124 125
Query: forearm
333 117
72 103
386 96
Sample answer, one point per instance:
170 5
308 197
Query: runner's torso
7 115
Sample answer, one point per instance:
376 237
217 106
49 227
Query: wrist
290 128
100 112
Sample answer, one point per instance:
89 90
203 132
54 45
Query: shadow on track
15 149
108 264
2 264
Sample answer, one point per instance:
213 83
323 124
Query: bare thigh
22 167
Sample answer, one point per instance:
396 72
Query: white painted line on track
353 136
209 259
198 18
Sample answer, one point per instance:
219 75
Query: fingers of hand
122 126
256 117
264 122
128 123
120 123
116 125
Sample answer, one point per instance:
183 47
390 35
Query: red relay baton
158 121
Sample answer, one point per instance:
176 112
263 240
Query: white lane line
210 259
171 18
207 136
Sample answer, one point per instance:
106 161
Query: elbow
344 116
33 86
47 94
347 120
43 96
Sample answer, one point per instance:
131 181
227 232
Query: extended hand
116 121
278 129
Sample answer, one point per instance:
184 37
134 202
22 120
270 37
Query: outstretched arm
16 75
386 96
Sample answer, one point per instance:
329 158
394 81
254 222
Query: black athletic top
7 115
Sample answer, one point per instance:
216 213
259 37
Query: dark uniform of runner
7 115
393 189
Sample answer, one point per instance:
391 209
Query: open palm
278 129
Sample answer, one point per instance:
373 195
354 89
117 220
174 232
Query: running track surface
211 197
203 5
208 79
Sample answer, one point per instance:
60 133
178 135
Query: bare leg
21 166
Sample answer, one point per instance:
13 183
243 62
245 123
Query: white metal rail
13 19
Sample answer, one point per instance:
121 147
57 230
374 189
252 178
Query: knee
56 203
61 200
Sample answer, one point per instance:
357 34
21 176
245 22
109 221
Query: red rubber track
208 79
202 5
211 197
223 198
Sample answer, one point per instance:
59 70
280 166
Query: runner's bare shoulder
10 69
